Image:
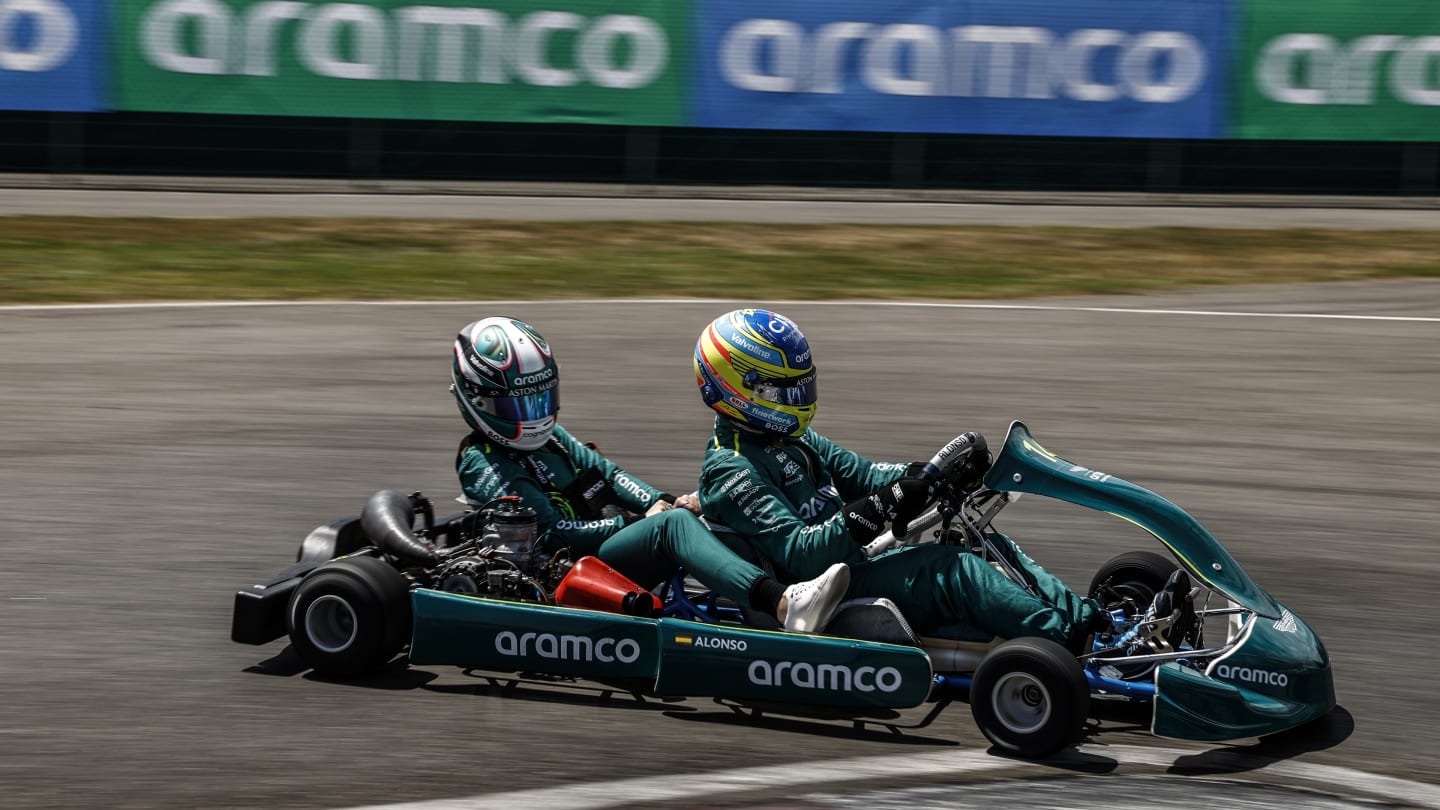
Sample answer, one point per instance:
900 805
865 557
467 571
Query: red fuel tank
594 585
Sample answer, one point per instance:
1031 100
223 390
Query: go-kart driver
806 503
505 381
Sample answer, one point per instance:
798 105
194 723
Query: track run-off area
160 457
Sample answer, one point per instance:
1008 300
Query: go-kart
366 588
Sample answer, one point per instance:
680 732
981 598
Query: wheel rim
1022 703
330 624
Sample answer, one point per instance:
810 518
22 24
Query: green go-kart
1222 661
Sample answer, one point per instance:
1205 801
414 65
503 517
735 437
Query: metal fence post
66 150
364 150
907 160
642 158
1418 168
1165 164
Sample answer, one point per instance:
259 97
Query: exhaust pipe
386 521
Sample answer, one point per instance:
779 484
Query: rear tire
1029 697
349 617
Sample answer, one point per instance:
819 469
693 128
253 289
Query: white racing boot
810 604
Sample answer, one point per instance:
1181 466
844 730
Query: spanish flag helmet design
754 367
506 382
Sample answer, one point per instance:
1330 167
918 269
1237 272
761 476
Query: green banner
584 61
1339 70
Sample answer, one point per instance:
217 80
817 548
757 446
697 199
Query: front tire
1029 697
1137 575
349 617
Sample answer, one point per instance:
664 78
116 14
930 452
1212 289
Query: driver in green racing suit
806 503
505 382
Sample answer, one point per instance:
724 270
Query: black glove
896 504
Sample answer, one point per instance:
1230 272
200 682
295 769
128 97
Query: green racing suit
786 496
569 484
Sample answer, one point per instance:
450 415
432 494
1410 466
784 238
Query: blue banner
1127 68
49 55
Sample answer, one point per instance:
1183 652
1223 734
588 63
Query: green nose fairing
1277 675
1022 465
1277 678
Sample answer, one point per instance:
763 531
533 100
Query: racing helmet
754 366
505 381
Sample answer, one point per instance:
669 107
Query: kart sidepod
679 658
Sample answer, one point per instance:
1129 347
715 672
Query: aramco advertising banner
1021 67
1340 70
1278 69
592 61
50 55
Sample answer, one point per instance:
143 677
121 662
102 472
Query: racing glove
897 504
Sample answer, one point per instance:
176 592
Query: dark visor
521 409
801 391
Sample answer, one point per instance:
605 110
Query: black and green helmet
505 381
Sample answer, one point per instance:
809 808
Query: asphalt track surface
156 459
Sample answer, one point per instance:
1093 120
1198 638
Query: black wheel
349 617
1029 697
1137 575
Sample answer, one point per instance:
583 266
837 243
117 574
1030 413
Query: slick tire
349 617
1029 697
1138 575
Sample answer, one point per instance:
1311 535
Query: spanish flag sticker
686 640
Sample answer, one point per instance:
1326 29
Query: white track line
832 774
664 301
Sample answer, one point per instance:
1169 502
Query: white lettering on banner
51 43
160 36
411 43
368 42
451 26
990 61
1317 69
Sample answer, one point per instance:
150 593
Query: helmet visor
799 391
520 409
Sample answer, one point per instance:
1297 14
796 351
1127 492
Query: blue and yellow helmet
506 382
754 367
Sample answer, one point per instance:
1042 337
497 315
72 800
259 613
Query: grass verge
88 260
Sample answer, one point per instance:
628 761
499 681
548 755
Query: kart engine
492 576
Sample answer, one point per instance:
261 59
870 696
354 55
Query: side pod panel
698 659
468 631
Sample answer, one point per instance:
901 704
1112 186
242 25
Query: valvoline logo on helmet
739 339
